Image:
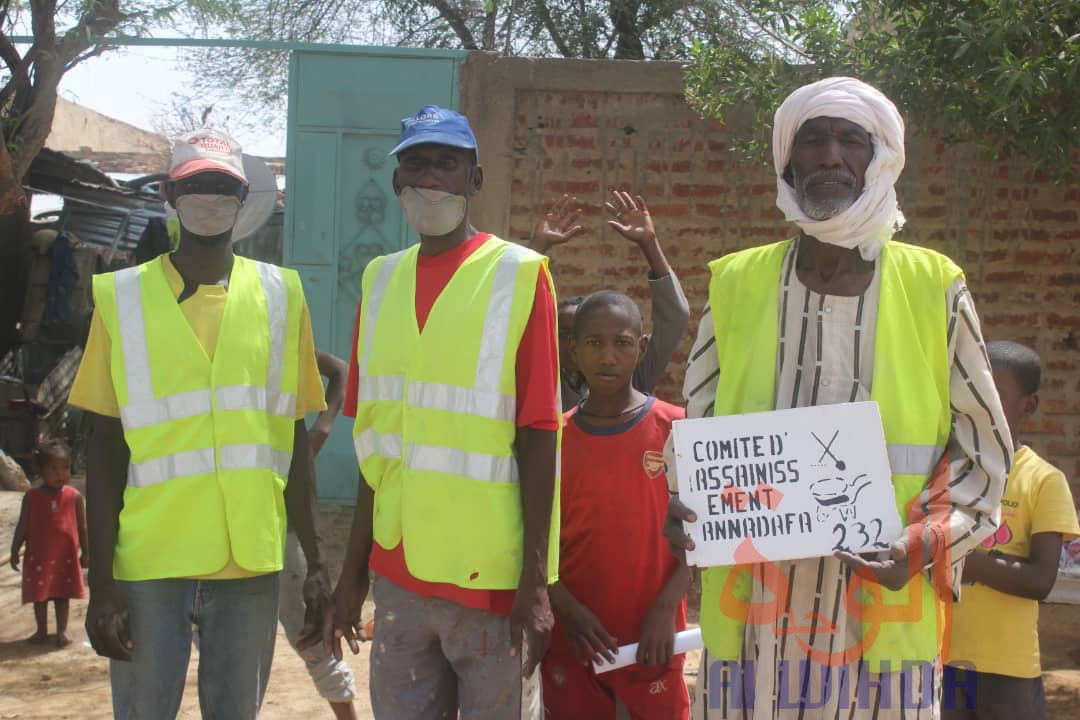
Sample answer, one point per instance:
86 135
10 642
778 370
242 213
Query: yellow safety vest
211 443
435 415
910 384
172 227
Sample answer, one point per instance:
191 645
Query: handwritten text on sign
798 483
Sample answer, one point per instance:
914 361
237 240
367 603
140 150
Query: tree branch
623 16
549 25
92 52
406 39
101 18
43 22
456 21
28 106
508 27
9 53
779 40
489 25
12 197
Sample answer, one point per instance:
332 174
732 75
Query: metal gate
345 108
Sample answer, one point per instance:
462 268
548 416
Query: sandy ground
42 682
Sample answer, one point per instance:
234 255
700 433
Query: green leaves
1000 73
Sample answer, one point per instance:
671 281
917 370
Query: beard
820 195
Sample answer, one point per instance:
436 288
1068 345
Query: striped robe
826 355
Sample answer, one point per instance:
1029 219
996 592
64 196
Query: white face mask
432 212
207 215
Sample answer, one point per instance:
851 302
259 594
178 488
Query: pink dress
51 565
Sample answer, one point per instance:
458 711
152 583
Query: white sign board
795 483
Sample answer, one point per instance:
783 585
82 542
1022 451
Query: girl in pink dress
52 523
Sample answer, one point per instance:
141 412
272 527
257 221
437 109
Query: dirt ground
44 683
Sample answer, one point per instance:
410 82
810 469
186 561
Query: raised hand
557 225
630 218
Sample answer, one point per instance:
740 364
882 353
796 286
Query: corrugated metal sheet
102 213
111 217
115 232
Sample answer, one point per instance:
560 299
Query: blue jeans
236 622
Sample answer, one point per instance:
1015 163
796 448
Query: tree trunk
14 232
623 15
27 115
14 226
12 196
489 25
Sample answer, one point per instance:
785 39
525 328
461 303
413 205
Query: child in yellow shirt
994 669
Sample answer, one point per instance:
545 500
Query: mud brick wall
582 127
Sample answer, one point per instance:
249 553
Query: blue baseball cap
433 124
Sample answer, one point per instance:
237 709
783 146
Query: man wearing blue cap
454 387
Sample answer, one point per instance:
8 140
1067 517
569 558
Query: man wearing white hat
843 313
198 372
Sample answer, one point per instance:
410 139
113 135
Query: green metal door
345 109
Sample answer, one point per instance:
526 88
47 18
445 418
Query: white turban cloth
874 216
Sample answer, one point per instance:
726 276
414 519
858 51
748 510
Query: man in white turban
842 313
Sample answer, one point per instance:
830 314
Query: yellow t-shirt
93 388
995 631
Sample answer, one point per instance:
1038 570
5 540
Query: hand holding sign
679 541
895 570
798 483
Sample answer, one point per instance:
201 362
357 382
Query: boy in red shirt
618 582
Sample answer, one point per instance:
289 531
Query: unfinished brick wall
580 127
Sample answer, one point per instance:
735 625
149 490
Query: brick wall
582 127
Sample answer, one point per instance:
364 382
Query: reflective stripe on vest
167 467
146 413
277 312
386 445
373 302
914 459
201 462
438 396
380 387
476 466
482 400
257 397
143 410
255 455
